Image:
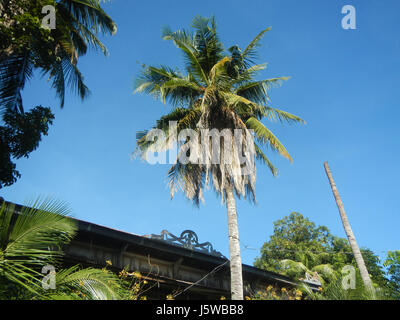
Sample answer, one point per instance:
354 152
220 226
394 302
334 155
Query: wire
316 252
211 272
246 247
309 251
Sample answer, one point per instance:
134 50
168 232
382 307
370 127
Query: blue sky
344 83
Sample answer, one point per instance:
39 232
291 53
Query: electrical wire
208 274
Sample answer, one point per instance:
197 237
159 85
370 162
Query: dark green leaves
19 136
26 46
14 73
202 49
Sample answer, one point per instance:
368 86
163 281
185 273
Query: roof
165 250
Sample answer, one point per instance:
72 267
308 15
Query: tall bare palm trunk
349 232
234 247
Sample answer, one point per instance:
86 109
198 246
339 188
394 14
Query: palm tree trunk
349 232
234 247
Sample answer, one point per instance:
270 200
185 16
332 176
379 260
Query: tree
25 46
392 263
33 238
298 245
218 93
349 232
19 136
293 234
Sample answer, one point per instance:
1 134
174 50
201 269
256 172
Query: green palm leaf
250 53
276 114
193 63
265 136
15 72
86 284
263 158
78 24
257 91
31 238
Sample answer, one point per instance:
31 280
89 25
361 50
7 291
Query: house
179 266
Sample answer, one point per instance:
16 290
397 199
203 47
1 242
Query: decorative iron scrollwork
312 278
189 240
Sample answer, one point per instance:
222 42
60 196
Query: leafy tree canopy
392 263
296 240
19 136
26 46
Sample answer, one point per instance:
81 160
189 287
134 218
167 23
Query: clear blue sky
344 84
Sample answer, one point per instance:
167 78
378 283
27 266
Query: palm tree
335 291
309 263
218 91
33 238
349 232
54 52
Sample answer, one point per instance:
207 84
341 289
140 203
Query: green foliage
335 291
19 136
294 235
298 246
32 238
133 285
218 90
26 45
392 263
274 293
84 284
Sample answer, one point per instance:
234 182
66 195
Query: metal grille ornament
189 240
